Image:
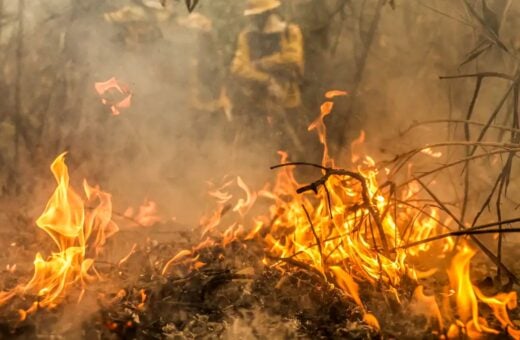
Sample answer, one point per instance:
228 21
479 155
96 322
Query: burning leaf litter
344 237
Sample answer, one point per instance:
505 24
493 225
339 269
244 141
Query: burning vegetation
348 235
398 237
79 233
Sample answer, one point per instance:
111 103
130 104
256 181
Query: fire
431 153
79 234
351 230
147 214
468 296
113 85
320 127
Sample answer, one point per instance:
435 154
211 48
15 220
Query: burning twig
488 252
366 197
467 232
318 242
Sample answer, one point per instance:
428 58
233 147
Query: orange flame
468 297
76 233
147 214
342 233
431 153
320 127
113 84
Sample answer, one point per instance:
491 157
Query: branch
482 247
318 242
480 75
456 121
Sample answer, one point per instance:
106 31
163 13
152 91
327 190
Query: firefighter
268 68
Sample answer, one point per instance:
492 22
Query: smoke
167 145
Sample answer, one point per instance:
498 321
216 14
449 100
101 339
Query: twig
490 254
404 158
480 75
489 197
329 201
445 14
298 163
493 115
458 162
456 121
467 135
466 232
364 193
318 242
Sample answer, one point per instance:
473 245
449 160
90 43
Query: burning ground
361 253
410 235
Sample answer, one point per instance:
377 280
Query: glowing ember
79 235
109 87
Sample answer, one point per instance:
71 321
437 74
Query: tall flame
79 235
468 296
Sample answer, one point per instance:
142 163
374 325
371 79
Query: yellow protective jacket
284 66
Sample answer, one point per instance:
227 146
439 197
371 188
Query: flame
243 205
320 127
143 296
116 106
147 214
350 230
431 153
468 297
181 255
79 234
335 93
132 252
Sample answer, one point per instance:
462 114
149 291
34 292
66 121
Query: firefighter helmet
254 7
